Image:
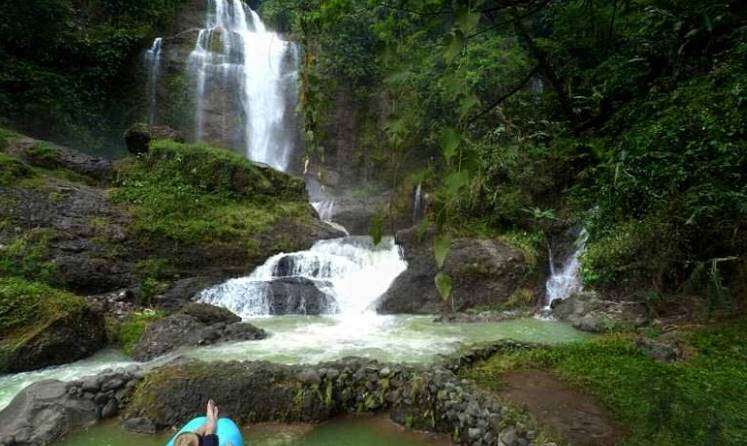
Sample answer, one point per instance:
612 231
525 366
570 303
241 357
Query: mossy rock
12 170
42 326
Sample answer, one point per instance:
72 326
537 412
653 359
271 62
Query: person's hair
187 439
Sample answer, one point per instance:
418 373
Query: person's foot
212 411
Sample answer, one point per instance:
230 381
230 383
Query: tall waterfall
246 83
566 281
351 270
153 63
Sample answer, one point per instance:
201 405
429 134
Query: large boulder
588 312
138 137
43 326
298 295
484 272
43 413
196 324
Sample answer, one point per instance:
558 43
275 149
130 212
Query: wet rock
73 335
138 137
43 413
110 409
299 295
485 272
588 312
140 425
196 324
184 291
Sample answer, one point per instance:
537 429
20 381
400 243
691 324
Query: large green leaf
441 246
443 285
376 230
454 46
450 140
467 20
455 182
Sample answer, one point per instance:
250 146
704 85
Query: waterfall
351 270
245 84
153 62
566 281
417 203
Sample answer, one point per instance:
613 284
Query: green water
299 339
346 431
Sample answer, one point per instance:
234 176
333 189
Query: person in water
203 435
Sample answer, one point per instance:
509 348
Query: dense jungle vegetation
70 66
627 116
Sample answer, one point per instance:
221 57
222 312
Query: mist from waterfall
153 64
238 64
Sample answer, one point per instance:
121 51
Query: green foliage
27 256
198 194
70 67
12 170
629 117
127 333
444 285
696 401
441 247
25 304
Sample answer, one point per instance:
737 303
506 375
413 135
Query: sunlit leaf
443 285
467 20
455 182
376 230
449 143
441 247
467 104
454 46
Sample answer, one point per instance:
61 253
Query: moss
6 136
695 401
27 306
12 170
198 194
28 256
126 334
529 243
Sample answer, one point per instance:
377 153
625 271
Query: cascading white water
350 269
153 62
565 282
238 63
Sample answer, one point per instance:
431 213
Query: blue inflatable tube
227 431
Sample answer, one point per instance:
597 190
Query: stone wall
432 398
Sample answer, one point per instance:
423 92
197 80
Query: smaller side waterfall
153 63
350 271
567 280
417 203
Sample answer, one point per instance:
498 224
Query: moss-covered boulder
42 326
485 273
83 224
